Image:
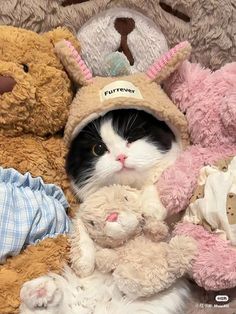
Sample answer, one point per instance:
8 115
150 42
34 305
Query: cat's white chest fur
96 294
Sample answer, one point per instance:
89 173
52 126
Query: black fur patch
130 124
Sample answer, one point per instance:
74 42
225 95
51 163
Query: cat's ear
169 62
82 252
73 63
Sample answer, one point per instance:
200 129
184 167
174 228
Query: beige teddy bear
122 240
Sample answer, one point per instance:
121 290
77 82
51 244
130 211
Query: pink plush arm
228 112
185 81
177 183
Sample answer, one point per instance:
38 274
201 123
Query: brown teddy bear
35 95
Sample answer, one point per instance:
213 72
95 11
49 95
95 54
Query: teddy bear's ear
61 33
169 62
73 62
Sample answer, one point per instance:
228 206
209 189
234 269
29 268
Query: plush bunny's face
35 91
112 215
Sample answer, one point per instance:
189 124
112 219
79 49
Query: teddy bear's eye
91 223
25 67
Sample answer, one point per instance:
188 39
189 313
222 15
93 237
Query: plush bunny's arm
176 185
107 260
154 229
82 250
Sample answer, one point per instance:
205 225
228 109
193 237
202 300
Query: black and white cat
128 147
125 146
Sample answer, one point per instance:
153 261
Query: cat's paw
41 293
151 204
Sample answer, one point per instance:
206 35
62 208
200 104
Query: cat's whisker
153 147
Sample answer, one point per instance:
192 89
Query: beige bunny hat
140 91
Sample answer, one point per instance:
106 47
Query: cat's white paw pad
41 293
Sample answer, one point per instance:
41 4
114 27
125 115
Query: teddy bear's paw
151 204
41 293
106 260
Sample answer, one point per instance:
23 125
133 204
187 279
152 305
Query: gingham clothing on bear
30 210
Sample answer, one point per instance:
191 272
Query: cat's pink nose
112 217
121 158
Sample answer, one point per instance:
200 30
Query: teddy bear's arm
182 82
176 185
107 260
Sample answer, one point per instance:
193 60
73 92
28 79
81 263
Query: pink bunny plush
208 100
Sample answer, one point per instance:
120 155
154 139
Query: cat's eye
126 198
91 223
136 134
99 149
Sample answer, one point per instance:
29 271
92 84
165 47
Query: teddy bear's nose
7 84
112 217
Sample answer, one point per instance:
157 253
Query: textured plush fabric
177 184
214 265
49 255
124 30
208 25
93 99
32 117
208 101
131 247
40 100
30 211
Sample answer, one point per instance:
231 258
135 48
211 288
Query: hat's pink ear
169 62
73 62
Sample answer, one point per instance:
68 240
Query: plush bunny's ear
169 62
73 63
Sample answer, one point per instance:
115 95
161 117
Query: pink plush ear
73 62
169 62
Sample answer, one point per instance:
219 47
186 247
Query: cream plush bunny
121 240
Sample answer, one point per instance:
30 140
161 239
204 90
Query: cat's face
121 148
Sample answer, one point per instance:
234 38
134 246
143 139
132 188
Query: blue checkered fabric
30 210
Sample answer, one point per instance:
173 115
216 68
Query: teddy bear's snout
7 84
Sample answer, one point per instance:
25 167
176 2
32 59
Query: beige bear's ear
61 33
169 62
73 63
